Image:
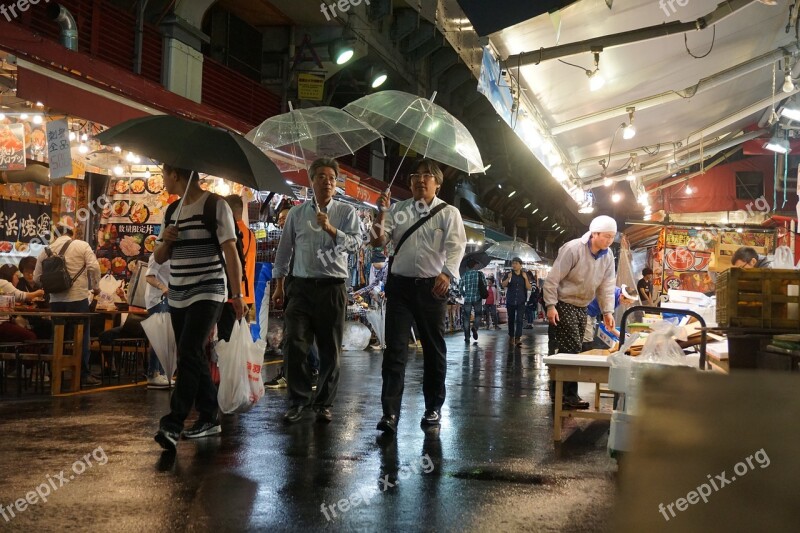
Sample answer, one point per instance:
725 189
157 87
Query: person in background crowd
746 257
155 296
491 304
472 299
316 234
23 280
420 275
279 382
10 331
516 283
247 285
81 263
533 301
645 288
197 291
582 271
27 266
622 296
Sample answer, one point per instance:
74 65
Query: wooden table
112 315
62 361
699 425
571 367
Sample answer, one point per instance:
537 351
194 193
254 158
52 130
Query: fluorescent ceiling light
791 114
780 146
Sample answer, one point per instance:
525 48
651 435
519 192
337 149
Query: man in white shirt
81 265
317 234
416 290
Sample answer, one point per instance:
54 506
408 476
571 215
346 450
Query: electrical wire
686 44
573 65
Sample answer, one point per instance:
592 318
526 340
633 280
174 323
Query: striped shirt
196 268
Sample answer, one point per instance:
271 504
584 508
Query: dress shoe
294 414
474 333
575 402
388 424
431 417
324 415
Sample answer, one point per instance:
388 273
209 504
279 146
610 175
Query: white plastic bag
108 292
660 350
783 258
620 369
356 336
240 361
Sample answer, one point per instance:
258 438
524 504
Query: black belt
415 281
319 281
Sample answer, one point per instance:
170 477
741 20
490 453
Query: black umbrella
482 258
192 145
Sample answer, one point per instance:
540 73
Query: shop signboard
310 87
130 224
58 149
12 147
21 222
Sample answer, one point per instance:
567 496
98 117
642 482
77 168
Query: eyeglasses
421 177
324 177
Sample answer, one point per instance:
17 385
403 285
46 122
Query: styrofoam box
621 436
689 297
618 378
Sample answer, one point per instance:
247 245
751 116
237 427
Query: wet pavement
491 466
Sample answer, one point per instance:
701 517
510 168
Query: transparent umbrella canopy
293 140
508 250
422 126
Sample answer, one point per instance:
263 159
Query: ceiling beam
705 84
722 11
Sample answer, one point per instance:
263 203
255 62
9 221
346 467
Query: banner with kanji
24 221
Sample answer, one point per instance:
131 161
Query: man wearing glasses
318 234
416 289
582 271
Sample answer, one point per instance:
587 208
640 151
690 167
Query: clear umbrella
508 250
420 125
294 139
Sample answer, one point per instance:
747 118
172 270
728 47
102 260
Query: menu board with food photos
130 223
12 147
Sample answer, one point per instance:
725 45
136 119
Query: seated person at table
622 296
747 258
10 331
43 327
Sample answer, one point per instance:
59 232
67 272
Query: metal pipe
708 151
69 29
138 43
682 179
722 11
705 84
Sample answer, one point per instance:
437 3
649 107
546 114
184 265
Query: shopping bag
158 328
240 360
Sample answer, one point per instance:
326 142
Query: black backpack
55 277
210 222
483 290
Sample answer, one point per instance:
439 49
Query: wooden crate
759 298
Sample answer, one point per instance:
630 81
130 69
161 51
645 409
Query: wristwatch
235 296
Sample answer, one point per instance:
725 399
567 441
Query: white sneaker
158 381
